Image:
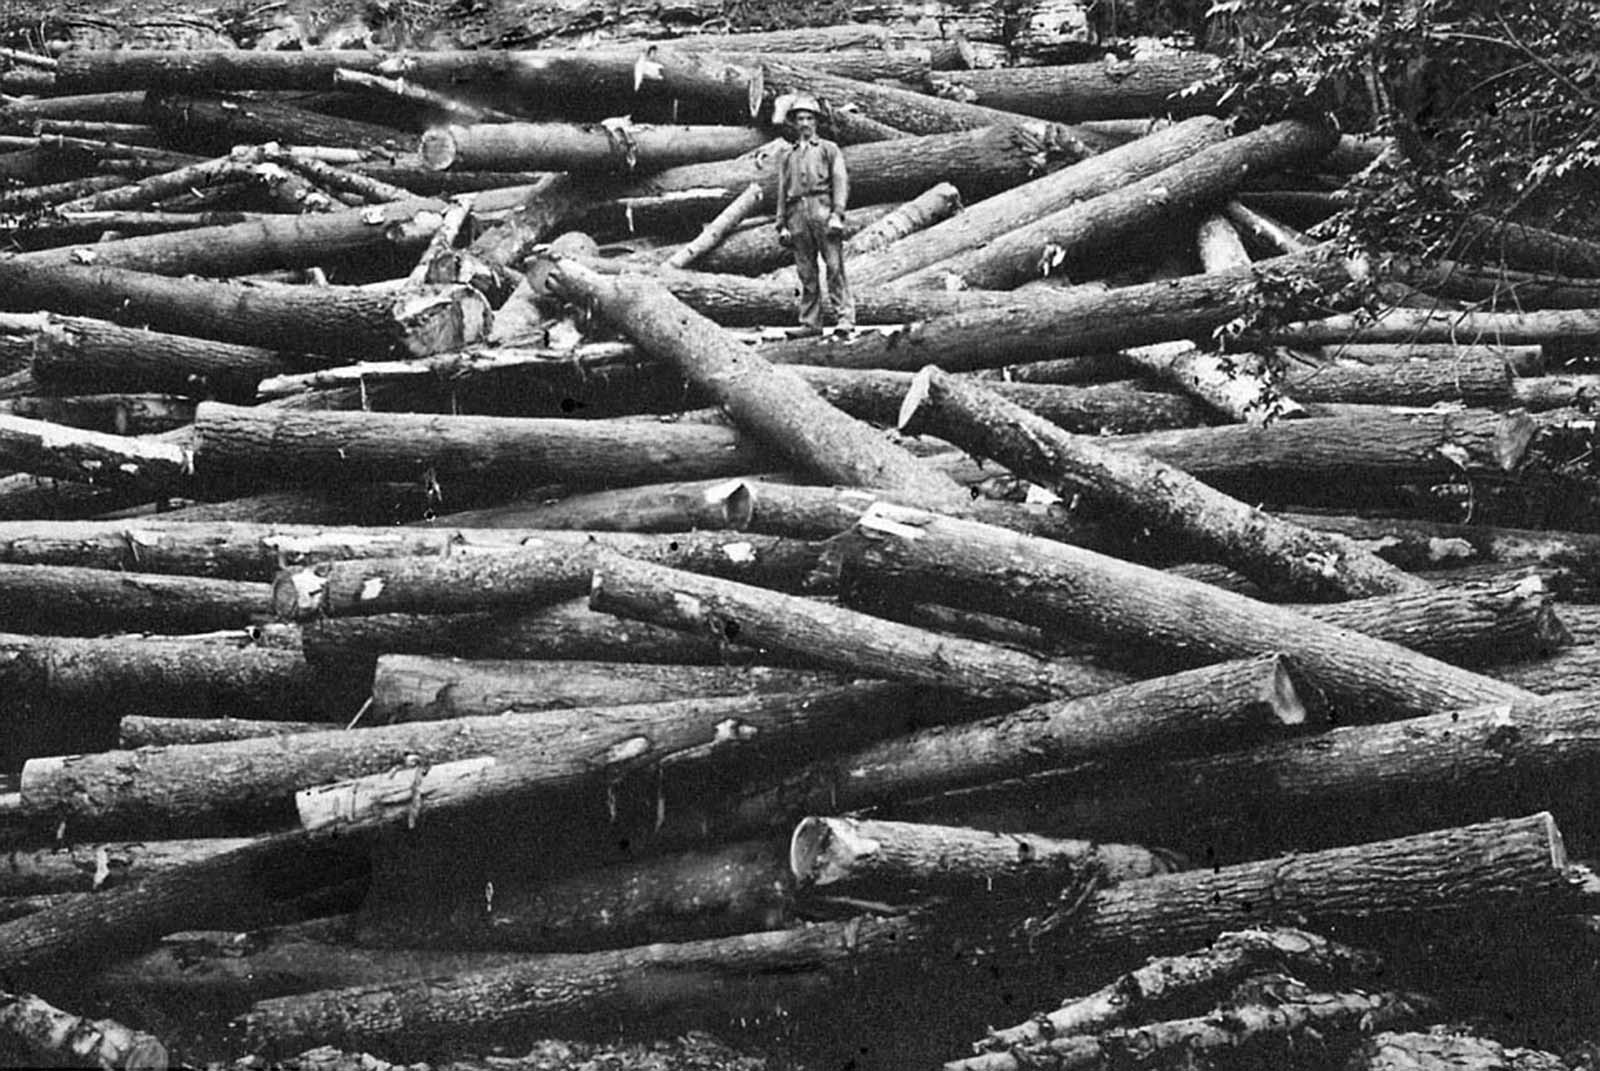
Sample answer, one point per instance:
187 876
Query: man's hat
790 103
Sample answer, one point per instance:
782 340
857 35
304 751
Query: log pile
439 608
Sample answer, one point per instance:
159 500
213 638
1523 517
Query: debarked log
832 636
610 147
990 569
1259 545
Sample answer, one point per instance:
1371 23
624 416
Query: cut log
51 1033
774 405
419 688
889 861
340 321
112 414
47 449
74 601
1195 710
441 103
1068 235
753 249
1259 545
1473 379
927 208
255 446
205 124
1233 385
1570 669
609 148
1569 327
1219 244
91 867
251 784
141 730
715 231
1154 85
830 636
992 217
1519 245
1134 604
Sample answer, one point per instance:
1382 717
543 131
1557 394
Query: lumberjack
813 191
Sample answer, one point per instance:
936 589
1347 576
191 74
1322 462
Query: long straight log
583 148
1074 93
116 414
834 637
713 232
421 688
1404 325
90 867
1481 380
70 600
1068 235
994 216
216 124
142 730
777 407
1135 604
1258 544
257 445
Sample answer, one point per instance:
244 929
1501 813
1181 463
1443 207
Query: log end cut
438 148
299 594
823 850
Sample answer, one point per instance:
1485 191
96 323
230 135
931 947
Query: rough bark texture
1074 93
50 1033
581 148
140 730
90 867
71 600
43 448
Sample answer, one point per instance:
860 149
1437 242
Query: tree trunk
715 231
255 445
1078 92
1472 380
927 208
831 636
1570 669
992 217
74 353
894 861
773 404
43 448
56 1035
1217 707
1568 327
138 730
69 600
110 414
1234 386
420 688
602 149
88 867
217 124
1070 234
1518 360
345 322
753 249
1259 545
1131 603
1521 246
251 784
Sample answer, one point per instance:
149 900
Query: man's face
805 124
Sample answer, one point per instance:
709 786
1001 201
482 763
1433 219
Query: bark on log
1412 1051
1500 287
89 867
216 124
251 784
715 231
834 637
1568 327
777 407
343 322
1232 385
423 688
255 445
927 208
45 449
1474 380
74 601
1068 235
753 249
887 861
74 353
1522 246
111 414
1359 781
138 730
49 1032
991 217
1518 360
1217 706
1140 605
595 149
1570 669
1078 92
1259 545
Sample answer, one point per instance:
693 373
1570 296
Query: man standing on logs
813 190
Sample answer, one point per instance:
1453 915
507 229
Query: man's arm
783 190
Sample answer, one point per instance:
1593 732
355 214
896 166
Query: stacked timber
439 607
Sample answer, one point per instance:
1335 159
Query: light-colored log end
825 850
1281 696
916 397
299 594
438 148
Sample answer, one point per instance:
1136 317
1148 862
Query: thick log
75 353
142 730
90 867
1068 235
1500 287
1073 93
1134 604
48 449
1570 669
340 321
113 414
927 208
1519 245
74 601
206 124
1569 327
257 445
887 861
834 637
597 149
774 405
1197 710
1259 545
251 784
84 70
1234 386
715 231
51 1033
988 219
420 688
1474 380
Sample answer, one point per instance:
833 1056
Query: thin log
714 232
1068 235
609 148
1075 93
216 124
834 637
1411 326
776 406
47 449
1140 605
1231 384
68 600
1259 545
92 867
143 730
885 861
47 1031
422 688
